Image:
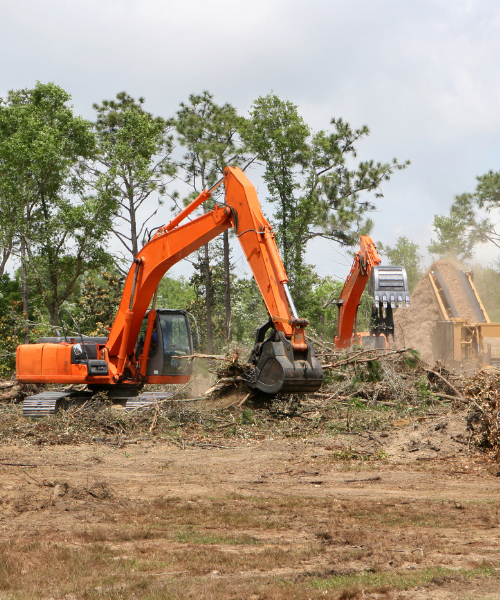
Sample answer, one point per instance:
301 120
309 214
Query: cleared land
384 485
243 503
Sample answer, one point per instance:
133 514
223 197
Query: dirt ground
409 511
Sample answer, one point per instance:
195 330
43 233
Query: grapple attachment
279 368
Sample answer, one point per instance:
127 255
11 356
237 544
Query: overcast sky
424 75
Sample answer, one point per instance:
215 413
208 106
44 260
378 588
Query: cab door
171 340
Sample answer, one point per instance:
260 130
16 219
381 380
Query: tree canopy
313 180
473 220
57 224
133 163
405 253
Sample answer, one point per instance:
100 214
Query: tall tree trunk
133 227
227 288
208 301
24 291
4 259
53 313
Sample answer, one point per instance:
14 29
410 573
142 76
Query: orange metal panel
29 360
48 363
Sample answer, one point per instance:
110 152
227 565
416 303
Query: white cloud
423 75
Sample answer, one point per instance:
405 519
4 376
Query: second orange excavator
387 285
147 345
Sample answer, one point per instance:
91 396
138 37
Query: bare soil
406 511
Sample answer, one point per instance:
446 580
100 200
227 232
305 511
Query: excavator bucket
389 286
279 368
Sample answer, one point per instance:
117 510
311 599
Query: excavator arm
174 242
282 362
388 285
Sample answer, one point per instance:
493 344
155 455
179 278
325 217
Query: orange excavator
387 285
147 345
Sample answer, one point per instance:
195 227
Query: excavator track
47 404
44 404
147 399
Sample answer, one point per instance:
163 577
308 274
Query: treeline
68 186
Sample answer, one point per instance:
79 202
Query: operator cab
172 338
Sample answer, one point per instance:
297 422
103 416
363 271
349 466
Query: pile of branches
228 371
370 375
98 421
483 420
392 377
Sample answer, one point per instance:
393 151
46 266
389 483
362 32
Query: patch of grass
247 417
394 580
190 536
353 454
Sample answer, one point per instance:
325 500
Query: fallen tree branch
209 356
354 359
377 478
450 385
316 341
222 383
7 384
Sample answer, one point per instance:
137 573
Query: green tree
210 134
316 191
15 328
9 293
58 226
405 253
10 213
471 220
133 165
198 305
458 232
97 304
248 311
321 307
175 292
486 197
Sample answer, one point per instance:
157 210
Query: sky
424 75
